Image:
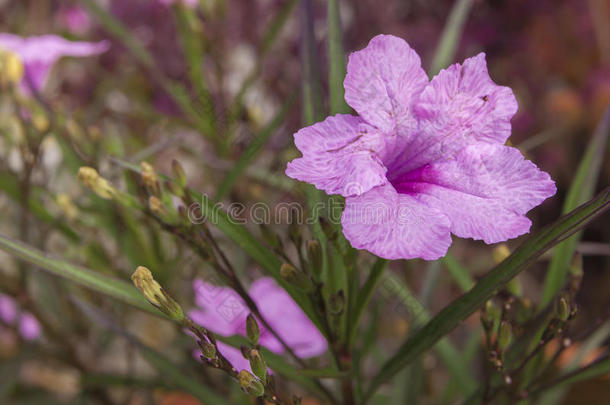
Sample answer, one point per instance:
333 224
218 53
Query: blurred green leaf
446 49
581 190
459 273
336 58
250 153
468 303
107 285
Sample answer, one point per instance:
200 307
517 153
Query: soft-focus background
244 77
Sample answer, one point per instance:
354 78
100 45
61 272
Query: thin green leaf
468 303
336 58
596 369
250 153
364 297
445 51
112 287
581 190
458 272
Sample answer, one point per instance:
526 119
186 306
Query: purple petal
8 309
485 191
341 155
29 328
395 226
220 309
234 356
287 319
383 80
460 106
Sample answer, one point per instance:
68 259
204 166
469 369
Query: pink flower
76 19
28 325
39 54
223 312
423 159
188 3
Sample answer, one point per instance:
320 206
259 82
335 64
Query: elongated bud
11 68
66 205
156 206
179 174
314 256
500 253
294 231
562 309
257 364
150 178
336 303
329 229
99 185
155 294
252 330
250 384
296 277
505 335
174 188
208 350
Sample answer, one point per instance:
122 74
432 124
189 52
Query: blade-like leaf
336 60
252 150
468 303
112 287
445 51
581 190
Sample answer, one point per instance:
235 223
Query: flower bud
271 238
314 255
66 205
156 206
150 178
174 188
99 185
329 230
11 68
505 335
257 364
179 174
155 294
296 277
562 309
500 253
250 384
252 330
294 231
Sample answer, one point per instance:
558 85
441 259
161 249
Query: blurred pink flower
189 3
423 159
76 19
39 54
28 325
222 311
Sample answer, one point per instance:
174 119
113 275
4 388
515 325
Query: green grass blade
109 286
364 297
445 51
312 105
581 190
458 272
464 306
336 58
250 153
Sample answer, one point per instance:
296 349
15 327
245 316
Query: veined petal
287 319
460 106
395 226
485 191
382 82
341 155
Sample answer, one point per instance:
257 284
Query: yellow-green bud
150 178
67 207
155 294
562 309
296 277
257 364
156 206
11 68
252 330
500 253
179 174
505 335
314 255
250 384
99 185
